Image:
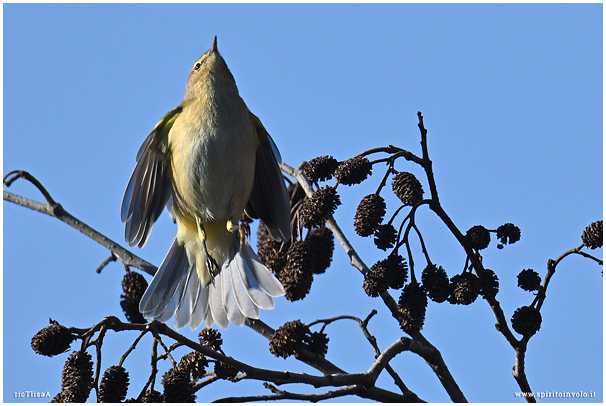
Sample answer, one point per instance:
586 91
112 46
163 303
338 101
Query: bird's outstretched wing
149 187
269 199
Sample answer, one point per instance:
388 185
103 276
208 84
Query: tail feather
208 316
200 308
268 282
188 300
215 302
245 301
230 303
169 281
252 294
243 286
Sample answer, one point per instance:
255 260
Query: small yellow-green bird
208 161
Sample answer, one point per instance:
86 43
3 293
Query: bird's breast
213 159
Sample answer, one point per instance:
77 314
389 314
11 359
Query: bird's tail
242 287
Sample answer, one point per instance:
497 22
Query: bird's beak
214 47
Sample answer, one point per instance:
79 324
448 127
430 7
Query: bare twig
151 381
372 340
12 176
260 327
368 393
132 347
154 331
426 162
519 371
172 347
281 395
54 209
98 345
355 259
551 267
395 152
303 355
111 258
205 382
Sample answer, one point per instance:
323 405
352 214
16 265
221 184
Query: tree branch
55 209
364 380
373 342
438 364
494 304
315 361
281 395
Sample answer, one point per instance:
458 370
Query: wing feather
269 199
149 187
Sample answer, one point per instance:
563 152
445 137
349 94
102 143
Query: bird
208 161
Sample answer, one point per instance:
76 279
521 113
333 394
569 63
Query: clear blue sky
512 99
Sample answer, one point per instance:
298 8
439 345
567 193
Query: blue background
512 99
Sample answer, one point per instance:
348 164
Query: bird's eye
197 66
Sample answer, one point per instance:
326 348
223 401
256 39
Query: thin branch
373 341
159 340
376 394
303 355
12 176
205 382
437 208
396 153
54 209
551 268
333 319
132 347
411 262
281 395
400 345
519 372
172 347
111 258
151 381
384 180
260 327
586 255
98 345
426 162
277 377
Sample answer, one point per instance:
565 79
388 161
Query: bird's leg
231 226
244 232
211 263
